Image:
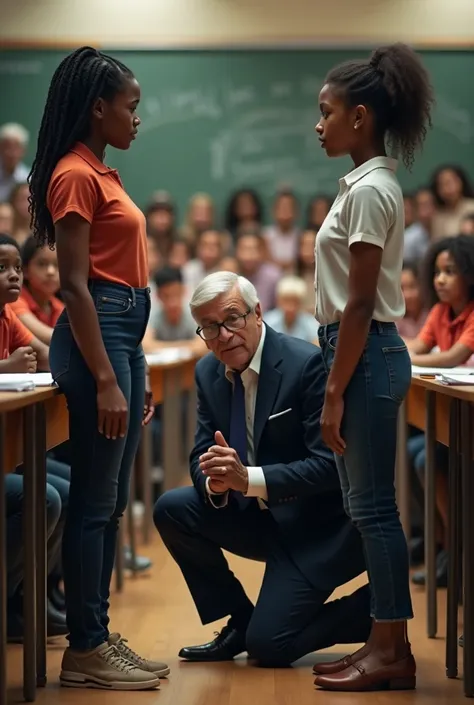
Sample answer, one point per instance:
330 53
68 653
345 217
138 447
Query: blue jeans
100 467
367 468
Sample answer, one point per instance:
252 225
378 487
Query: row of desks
30 424
445 414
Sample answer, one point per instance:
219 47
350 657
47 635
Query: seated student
6 218
306 265
283 237
450 323
418 233
449 327
290 317
209 252
172 323
20 350
251 255
467 224
37 307
415 311
56 620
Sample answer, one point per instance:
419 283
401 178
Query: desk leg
402 473
468 543
430 515
29 543
145 456
3 572
454 542
119 567
132 534
41 541
172 435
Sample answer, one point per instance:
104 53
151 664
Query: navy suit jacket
304 494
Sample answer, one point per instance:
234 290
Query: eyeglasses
235 322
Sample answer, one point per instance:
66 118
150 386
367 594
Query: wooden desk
445 414
30 422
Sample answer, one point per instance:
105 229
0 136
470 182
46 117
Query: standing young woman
79 205
359 251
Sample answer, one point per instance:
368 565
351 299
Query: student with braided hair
79 205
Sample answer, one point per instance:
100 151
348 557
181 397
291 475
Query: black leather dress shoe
227 644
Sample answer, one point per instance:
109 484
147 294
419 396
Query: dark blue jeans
100 467
367 468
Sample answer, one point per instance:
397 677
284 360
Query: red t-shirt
13 334
443 331
27 304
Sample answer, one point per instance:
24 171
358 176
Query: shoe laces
127 652
117 660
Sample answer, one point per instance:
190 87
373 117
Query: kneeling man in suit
265 487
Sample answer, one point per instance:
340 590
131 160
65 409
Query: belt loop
133 297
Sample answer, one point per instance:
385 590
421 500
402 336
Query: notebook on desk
456 380
25 382
434 371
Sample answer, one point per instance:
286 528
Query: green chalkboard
217 120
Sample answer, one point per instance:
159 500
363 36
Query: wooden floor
158 617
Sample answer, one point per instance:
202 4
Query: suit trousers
290 618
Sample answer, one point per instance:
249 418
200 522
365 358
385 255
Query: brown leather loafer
325 668
399 675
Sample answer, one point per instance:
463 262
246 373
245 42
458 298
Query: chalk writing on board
179 107
454 120
264 146
283 89
240 95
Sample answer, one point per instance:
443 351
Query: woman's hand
331 419
112 411
149 406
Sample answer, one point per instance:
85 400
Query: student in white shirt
366 104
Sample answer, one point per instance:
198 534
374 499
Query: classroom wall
181 23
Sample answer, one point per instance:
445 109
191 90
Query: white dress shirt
257 487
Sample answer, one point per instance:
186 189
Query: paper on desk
11 381
456 380
416 370
167 355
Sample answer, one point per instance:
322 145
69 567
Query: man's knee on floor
268 649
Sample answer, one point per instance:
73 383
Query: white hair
219 283
291 286
14 131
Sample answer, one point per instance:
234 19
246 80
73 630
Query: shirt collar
376 163
85 153
255 362
465 313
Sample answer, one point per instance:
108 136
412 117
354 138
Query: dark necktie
238 423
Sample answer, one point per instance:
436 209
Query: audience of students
290 316
305 267
209 253
454 197
415 310
283 236
252 263
244 209
38 307
13 144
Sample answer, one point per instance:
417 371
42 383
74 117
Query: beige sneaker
104 667
160 669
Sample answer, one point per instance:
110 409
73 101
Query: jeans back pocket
397 360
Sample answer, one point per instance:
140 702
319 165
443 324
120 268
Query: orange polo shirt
442 330
82 184
13 334
27 304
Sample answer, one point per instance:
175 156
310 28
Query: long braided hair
79 81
